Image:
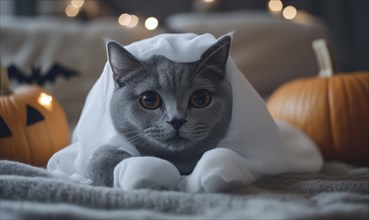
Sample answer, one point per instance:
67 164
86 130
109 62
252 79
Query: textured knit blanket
338 191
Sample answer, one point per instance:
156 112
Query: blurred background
272 40
346 20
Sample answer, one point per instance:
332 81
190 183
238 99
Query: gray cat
170 110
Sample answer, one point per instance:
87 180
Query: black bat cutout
49 76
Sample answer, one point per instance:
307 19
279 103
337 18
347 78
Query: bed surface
339 191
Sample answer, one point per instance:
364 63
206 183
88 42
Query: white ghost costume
254 145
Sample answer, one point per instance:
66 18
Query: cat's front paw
145 173
218 170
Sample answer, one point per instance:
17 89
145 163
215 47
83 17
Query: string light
128 20
124 19
71 11
133 21
73 8
77 3
289 12
275 5
151 23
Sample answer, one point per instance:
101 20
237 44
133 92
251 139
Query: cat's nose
177 123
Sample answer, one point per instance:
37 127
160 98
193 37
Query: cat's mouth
177 139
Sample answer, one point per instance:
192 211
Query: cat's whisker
140 141
134 139
130 133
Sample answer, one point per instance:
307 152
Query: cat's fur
153 132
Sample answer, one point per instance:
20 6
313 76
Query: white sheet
253 140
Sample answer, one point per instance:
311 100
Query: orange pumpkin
332 110
33 125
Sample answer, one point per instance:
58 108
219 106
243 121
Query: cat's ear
217 54
122 62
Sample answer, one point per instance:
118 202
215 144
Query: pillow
267 49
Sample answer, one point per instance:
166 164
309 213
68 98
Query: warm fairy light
151 23
77 3
45 100
289 12
208 1
275 5
133 22
128 20
71 11
124 19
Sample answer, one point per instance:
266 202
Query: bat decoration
38 77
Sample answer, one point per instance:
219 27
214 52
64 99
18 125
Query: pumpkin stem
324 58
4 82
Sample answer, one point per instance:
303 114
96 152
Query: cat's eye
150 100
200 98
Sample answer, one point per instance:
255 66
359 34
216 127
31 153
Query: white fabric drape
252 133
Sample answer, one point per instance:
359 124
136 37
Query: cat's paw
218 170
145 173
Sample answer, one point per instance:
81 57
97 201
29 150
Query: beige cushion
269 50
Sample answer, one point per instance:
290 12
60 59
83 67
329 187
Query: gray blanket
339 191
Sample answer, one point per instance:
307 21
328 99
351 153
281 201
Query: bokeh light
151 23
45 100
289 12
133 21
275 5
71 11
77 3
124 19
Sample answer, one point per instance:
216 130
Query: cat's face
172 110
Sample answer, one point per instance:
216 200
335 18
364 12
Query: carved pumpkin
332 110
33 125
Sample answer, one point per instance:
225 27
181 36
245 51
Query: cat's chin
177 142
